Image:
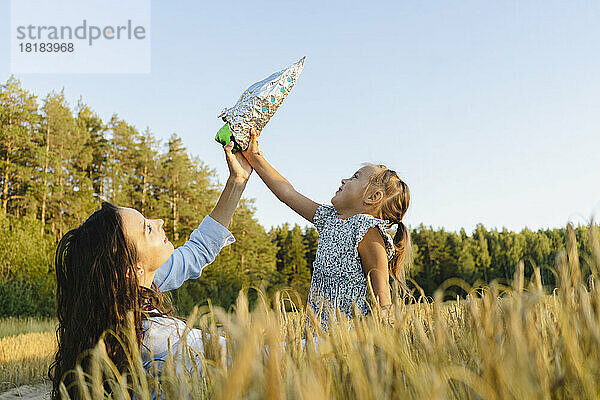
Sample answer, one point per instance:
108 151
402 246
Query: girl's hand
252 151
239 168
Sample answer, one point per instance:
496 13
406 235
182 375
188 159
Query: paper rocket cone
256 106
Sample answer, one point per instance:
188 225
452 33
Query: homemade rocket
256 106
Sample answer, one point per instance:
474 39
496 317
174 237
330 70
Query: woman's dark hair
97 287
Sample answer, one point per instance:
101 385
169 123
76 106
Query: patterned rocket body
257 104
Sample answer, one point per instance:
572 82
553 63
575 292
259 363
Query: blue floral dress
338 279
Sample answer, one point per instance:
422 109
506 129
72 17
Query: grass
16 326
499 342
24 358
27 346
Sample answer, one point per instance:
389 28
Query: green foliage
16 298
27 297
57 164
487 255
296 252
24 251
26 282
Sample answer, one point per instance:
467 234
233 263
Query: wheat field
24 358
499 342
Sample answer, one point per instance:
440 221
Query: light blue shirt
186 262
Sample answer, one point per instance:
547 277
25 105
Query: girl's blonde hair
396 198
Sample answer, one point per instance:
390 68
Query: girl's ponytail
396 198
402 258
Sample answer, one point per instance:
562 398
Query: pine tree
18 149
184 187
66 190
311 241
482 255
147 148
121 165
278 236
98 147
296 271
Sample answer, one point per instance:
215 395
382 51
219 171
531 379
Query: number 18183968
46 47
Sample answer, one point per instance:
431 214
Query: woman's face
149 238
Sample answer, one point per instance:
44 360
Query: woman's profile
119 262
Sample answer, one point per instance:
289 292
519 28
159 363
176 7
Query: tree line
59 162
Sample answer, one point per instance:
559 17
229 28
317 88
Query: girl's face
149 238
350 196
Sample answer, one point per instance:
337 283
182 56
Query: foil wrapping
259 102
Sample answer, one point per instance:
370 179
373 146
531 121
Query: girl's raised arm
277 183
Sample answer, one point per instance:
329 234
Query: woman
118 262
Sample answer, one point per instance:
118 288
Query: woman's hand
239 172
239 168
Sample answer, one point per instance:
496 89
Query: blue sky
489 110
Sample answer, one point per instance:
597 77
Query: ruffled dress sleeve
364 223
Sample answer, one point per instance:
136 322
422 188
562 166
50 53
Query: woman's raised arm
239 172
206 241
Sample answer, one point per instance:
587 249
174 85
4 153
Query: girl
118 262
354 246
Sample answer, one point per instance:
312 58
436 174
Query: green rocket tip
224 136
